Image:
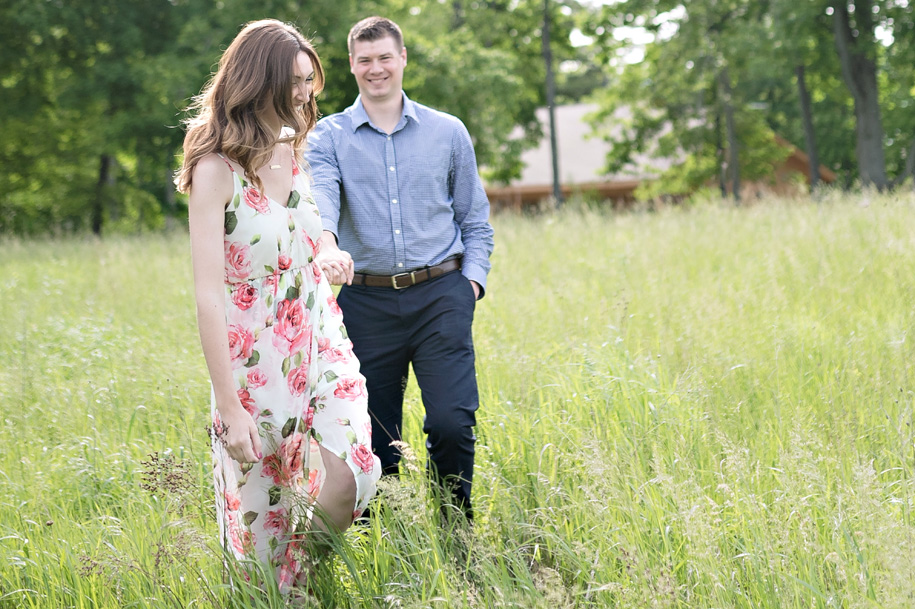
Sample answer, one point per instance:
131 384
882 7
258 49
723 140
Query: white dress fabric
295 373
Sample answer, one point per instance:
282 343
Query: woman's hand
240 435
337 264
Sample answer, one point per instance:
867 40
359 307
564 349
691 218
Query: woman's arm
211 190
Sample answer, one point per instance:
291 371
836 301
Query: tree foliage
93 92
677 106
687 97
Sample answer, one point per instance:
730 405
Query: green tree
897 85
83 115
93 92
686 100
854 27
482 61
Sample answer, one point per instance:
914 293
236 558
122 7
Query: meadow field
704 406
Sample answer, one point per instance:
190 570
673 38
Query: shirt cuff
329 225
475 273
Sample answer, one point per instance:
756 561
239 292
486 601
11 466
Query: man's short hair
374 28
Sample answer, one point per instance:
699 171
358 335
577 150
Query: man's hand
476 288
336 263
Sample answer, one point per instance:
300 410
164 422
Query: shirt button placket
393 197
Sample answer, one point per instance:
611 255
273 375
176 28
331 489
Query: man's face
378 67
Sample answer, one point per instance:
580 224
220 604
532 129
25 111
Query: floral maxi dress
296 375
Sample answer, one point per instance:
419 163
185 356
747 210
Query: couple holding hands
384 199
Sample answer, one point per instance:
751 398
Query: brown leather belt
405 280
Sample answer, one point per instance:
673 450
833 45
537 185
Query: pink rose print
241 345
244 295
238 261
247 402
295 168
316 271
335 355
283 262
291 571
298 380
271 282
364 458
256 200
271 468
242 540
334 307
256 378
236 535
309 417
233 502
323 344
285 466
276 522
315 482
314 246
292 330
350 389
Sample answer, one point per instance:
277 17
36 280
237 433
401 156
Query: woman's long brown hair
255 71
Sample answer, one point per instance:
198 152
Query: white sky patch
669 22
884 35
638 37
569 66
578 39
634 35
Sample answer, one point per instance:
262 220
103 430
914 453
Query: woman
288 404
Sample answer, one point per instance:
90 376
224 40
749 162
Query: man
406 229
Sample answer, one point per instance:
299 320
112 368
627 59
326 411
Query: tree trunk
909 169
730 124
550 100
813 156
860 74
457 14
98 206
719 153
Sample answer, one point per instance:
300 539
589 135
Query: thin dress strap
219 154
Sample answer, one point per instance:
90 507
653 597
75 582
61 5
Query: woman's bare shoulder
212 166
212 176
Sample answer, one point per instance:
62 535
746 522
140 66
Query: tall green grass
702 407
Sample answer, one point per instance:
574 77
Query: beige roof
582 155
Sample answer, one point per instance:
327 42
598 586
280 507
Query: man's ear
403 54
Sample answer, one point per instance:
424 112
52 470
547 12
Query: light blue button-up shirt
401 201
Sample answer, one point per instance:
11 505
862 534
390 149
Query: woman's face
303 76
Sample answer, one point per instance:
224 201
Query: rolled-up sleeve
321 157
471 209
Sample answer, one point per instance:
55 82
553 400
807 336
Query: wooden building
582 157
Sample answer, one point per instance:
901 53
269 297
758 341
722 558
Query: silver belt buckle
411 275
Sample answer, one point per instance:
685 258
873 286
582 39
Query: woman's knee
338 494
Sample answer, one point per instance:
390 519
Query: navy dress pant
428 325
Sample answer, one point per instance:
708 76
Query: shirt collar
359 116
